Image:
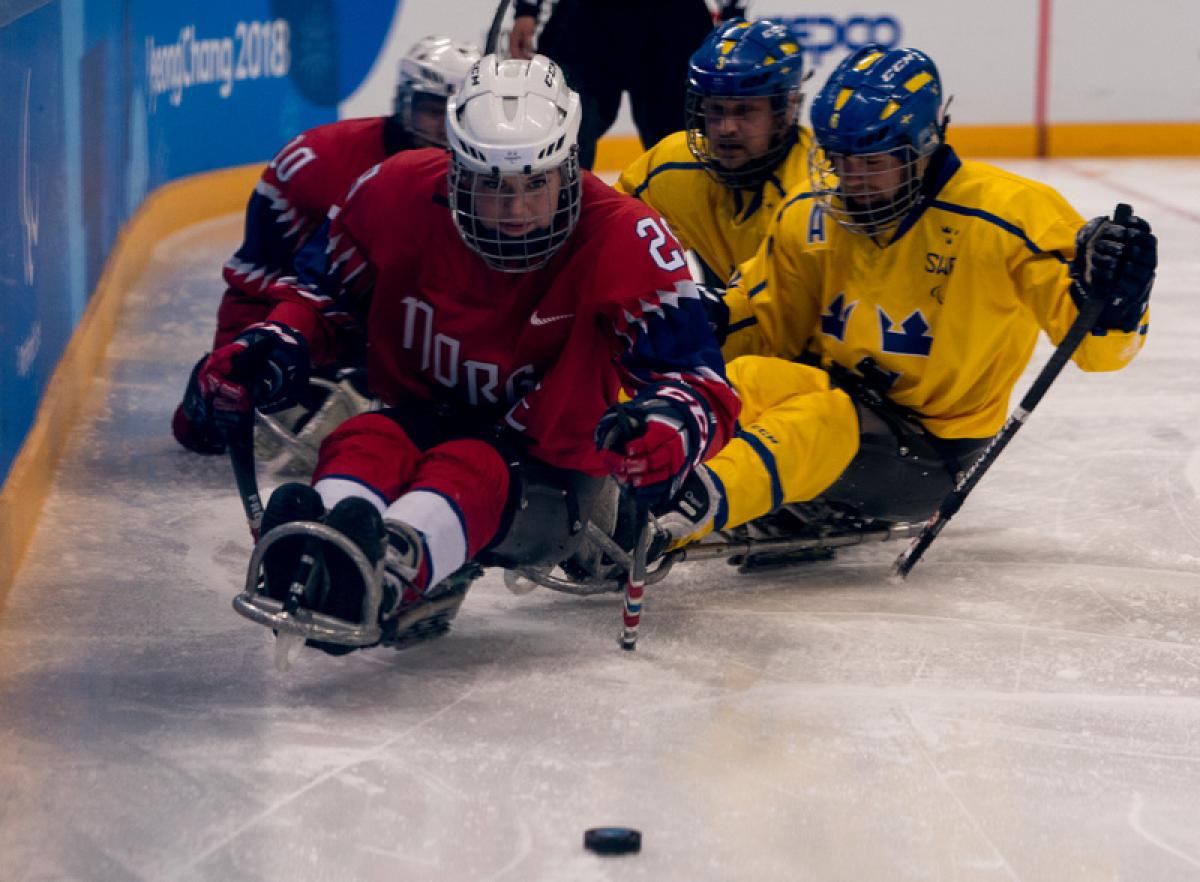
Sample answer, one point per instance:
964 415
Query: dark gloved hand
265 367
192 424
653 441
1114 262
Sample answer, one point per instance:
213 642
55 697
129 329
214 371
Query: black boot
359 521
290 502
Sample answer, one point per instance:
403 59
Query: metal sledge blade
255 604
287 647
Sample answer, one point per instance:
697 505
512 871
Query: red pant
374 450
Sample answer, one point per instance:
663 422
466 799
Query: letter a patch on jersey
911 339
816 224
834 318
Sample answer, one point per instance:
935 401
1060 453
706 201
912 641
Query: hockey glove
193 425
652 442
265 367
1115 261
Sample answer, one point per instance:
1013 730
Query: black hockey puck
613 840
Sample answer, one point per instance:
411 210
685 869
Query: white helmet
433 69
513 128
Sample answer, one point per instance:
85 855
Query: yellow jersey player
916 283
719 182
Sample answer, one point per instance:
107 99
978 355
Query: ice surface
1026 706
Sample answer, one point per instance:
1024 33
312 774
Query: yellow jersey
722 225
949 308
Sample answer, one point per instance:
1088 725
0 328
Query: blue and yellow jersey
723 226
950 308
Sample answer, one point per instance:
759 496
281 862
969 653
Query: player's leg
579 37
656 77
365 462
795 436
900 472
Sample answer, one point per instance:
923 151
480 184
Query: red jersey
308 176
546 351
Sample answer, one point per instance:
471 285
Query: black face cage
514 254
857 202
785 106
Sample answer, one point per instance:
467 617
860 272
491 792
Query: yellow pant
795 436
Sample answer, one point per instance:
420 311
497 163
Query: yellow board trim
615 152
168 209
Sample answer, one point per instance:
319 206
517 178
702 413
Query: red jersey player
295 192
507 300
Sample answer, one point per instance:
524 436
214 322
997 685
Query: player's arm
656 179
524 26
635 178
1113 261
327 299
682 409
773 297
268 363
277 222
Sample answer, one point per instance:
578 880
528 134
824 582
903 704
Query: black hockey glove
1115 261
264 368
192 424
652 442
716 310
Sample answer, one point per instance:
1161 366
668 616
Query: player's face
872 178
516 205
739 129
428 119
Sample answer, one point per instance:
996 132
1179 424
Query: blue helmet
741 59
877 103
878 100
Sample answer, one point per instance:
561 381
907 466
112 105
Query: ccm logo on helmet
896 68
821 34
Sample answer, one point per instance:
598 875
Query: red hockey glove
653 441
264 367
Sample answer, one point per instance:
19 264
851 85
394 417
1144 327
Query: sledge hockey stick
635 581
625 429
955 498
241 457
493 34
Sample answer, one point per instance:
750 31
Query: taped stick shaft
956 497
241 457
635 584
